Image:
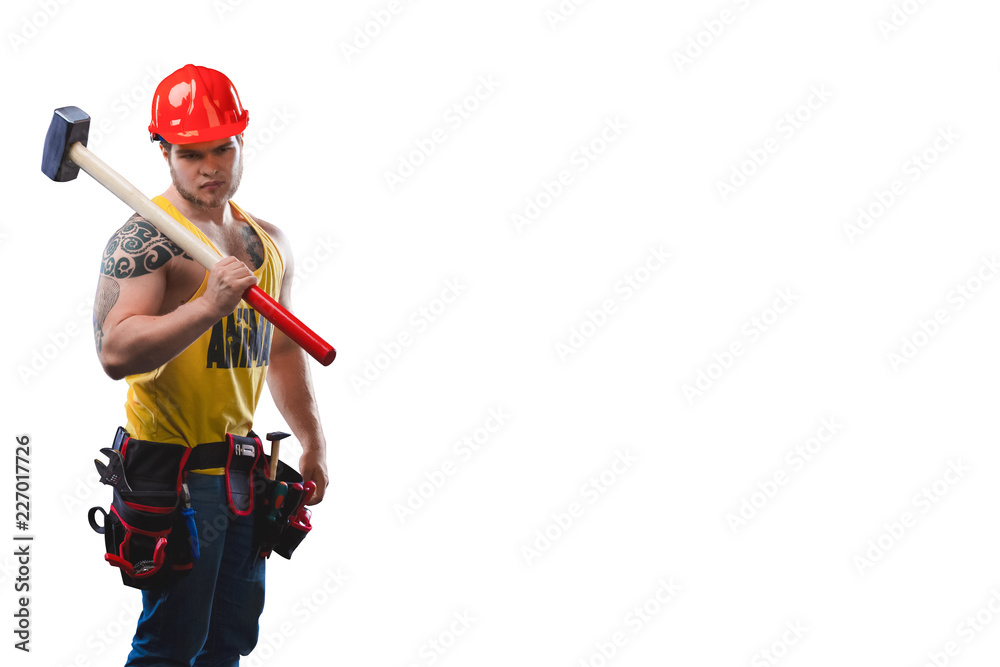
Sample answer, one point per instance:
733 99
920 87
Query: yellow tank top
211 388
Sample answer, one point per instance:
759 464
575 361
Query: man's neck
219 216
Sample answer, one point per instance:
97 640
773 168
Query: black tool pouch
294 532
283 530
243 458
145 534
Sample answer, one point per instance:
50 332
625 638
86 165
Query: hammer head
69 125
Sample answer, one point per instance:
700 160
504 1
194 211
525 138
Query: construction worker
196 358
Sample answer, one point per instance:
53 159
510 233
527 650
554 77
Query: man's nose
210 165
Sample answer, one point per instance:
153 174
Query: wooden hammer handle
275 448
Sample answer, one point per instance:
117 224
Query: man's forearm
290 383
292 391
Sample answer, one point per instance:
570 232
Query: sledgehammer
66 153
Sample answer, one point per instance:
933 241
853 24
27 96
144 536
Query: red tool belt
150 533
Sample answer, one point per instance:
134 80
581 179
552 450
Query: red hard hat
196 104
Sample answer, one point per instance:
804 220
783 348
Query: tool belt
150 533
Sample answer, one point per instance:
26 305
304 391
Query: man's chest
185 275
239 240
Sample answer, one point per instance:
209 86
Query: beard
219 198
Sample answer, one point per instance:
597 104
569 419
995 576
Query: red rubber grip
290 325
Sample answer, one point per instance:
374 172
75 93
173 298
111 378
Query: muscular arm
290 384
135 328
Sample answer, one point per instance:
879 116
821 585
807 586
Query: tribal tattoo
107 296
141 249
255 249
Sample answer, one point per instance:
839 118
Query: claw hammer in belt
275 438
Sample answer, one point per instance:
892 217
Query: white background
816 552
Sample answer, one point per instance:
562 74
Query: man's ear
166 153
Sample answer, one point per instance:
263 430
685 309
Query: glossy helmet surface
196 104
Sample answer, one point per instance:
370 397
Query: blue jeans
209 617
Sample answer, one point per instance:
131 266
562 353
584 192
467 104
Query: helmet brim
207 134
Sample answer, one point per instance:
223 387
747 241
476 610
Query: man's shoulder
271 230
137 248
268 227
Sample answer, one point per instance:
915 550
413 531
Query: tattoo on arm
255 249
107 295
140 249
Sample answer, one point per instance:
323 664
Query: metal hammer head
69 125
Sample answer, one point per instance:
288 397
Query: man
196 359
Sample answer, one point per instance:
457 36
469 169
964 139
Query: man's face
207 173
